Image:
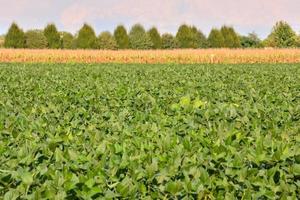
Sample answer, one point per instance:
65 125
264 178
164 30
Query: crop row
225 56
149 131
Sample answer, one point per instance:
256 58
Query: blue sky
69 15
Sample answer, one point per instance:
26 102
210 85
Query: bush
231 39
107 41
282 36
53 37
169 41
121 37
86 38
139 39
67 40
15 37
215 39
35 39
155 38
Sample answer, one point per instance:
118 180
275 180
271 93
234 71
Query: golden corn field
226 56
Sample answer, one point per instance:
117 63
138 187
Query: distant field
225 56
116 131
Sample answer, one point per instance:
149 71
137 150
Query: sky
69 15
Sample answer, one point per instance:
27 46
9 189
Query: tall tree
282 36
215 39
139 39
184 36
198 38
67 40
35 39
231 39
155 38
86 38
15 37
169 41
121 37
107 41
53 36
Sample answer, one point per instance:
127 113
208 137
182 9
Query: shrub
169 41
282 36
139 39
121 37
107 41
215 39
155 38
53 37
86 38
35 39
67 40
15 37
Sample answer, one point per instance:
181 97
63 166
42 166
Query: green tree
15 37
2 41
107 41
67 40
215 39
169 41
282 36
35 39
86 38
155 38
190 37
231 39
184 36
250 41
139 39
198 38
121 37
53 37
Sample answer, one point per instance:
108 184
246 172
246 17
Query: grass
149 131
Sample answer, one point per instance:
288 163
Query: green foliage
250 41
2 38
67 40
155 38
216 39
107 41
298 41
71 131
139 39
199 40
35 39
86 38
190 37
282 36
121 37
15 37
169 41
231 39
53 37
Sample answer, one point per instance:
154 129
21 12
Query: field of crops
135 131
212 56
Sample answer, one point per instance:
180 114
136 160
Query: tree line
282 36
